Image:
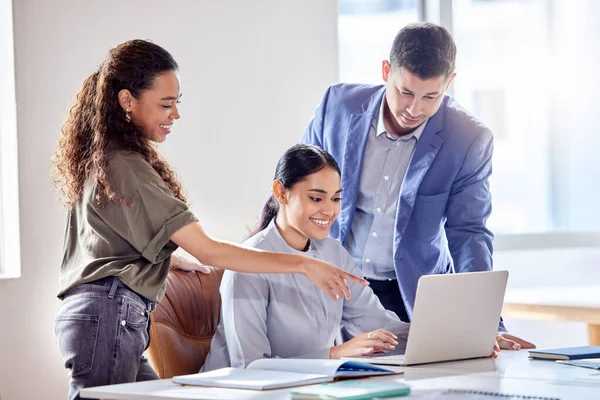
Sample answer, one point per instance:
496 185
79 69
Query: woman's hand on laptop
512 342
364 344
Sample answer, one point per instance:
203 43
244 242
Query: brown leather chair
184 322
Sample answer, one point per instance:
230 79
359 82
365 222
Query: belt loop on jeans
113 288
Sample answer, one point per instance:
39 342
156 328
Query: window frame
10 243
442 13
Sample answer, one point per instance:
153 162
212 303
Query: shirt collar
279 243
380 128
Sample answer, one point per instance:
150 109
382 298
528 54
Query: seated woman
277 315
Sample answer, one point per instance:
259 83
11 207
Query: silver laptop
455 317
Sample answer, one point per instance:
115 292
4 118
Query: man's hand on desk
496 350
512 342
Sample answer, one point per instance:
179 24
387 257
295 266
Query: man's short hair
424 49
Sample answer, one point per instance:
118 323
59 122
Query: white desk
560 303
512 373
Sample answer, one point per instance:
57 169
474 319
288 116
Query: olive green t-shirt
131 241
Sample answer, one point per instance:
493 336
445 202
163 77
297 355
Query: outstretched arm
328 277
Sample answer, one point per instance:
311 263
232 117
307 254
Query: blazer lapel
425 152
358 130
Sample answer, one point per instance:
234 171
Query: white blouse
286 315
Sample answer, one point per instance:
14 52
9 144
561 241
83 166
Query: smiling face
309 208
410 100
155 110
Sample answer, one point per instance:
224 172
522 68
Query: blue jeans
102 330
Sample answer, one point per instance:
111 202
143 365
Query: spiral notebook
458 394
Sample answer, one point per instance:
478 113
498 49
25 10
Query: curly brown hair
97 123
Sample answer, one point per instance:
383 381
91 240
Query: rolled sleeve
160 245
149 213
148 220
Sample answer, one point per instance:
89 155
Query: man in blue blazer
415 168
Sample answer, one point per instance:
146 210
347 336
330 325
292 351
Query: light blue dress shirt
371 239
286 315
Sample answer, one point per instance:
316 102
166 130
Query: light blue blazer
445 199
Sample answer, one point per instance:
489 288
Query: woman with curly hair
127 213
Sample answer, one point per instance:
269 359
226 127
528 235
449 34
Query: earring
127 116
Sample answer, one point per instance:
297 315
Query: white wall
252 74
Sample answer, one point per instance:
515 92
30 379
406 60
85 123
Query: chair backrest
184 322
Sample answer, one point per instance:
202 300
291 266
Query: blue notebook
567 353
